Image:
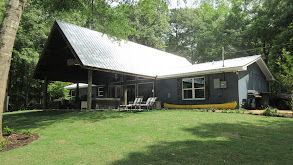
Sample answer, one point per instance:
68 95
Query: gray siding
251 79
170 90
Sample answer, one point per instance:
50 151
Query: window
193 88
145 89
114 91
100 91
72 94
118 91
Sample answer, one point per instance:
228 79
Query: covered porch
60 62
120 70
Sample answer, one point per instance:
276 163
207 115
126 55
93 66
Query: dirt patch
18 140
287 113
230 135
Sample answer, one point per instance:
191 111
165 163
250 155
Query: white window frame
71 95
100 91
193 89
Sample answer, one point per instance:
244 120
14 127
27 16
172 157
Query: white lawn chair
149 103
136 103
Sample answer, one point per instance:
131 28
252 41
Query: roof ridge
59 21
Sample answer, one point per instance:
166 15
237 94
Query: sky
174 4
181 4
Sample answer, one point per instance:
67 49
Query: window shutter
179 88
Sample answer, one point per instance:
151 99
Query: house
125 70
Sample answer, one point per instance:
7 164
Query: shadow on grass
38 119
223 143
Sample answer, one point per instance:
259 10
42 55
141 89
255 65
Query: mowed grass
154 137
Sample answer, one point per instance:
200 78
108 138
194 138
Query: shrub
271 112
2 143
291 103
27 132
212 109
224 111
8 130
56 90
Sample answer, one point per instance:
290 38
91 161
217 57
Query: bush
8 130
291 104
56 90
2 143
271 112
27 132
212 109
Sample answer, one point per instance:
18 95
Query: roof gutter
232 69
117 72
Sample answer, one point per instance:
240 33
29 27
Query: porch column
77 91
125 90
77 100
155 88
45 93
106 87
89 90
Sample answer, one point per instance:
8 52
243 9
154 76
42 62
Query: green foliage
291 104
23 89
149 18
199 33
284 73
3 142
242 111
56 90
271 112
243 28
27 132
3 4
8 130
212 109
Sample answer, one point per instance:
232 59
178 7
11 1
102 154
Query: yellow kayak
232 105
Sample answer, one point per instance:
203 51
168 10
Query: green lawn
154 137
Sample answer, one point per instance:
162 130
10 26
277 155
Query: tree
56 90
285 72
185 30
195 32
23 89
149 18
8 32
271 29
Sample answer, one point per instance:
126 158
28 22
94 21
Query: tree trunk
265 52
45 93
89 90
7 36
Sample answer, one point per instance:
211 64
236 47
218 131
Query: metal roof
230 65
97 50
94 50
